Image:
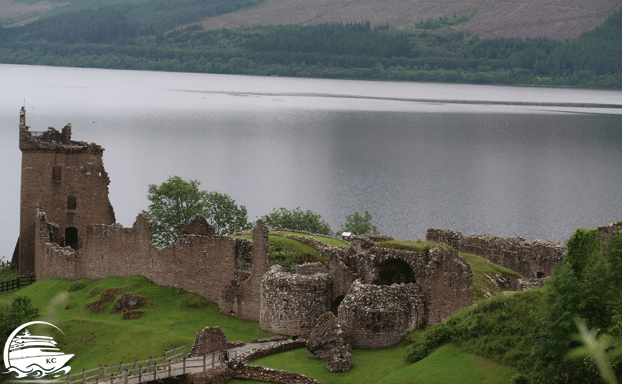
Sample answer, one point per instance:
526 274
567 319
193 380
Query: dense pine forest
135 37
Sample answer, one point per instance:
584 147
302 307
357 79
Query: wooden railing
159 368
18 283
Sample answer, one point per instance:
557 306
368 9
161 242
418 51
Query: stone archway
394 271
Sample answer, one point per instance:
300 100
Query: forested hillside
119 37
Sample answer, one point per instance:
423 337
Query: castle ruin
68 230
68 179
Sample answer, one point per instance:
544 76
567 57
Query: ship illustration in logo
26 354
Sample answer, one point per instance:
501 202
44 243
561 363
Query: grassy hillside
126 36
171 317
491 19
448 364
161 14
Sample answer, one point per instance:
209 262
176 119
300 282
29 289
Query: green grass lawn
288 252
482 271
448 364
172 316
332 241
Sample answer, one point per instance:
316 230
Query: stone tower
67 178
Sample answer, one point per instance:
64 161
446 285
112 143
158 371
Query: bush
297 220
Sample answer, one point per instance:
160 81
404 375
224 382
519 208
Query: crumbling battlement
68 179
378 316
200 264
290 303
535 259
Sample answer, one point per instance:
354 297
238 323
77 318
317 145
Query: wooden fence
173 363
18 283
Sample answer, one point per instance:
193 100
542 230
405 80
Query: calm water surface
511 161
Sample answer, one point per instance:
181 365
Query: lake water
510 161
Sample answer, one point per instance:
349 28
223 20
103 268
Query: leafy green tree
176 201
172 202
224 214
587 286
359 225
12 316
297 220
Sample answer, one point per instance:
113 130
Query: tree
297 220
176 201
224 214
587 286
19 312
359 225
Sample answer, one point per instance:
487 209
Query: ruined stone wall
290 303
445 236
444 277
447 286
208 340
535 259
341 274
310 268
375 316
241 298
67 178
202 264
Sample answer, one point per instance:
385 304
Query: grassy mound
332 241
288 252
502 329
448 364
487 276
170 316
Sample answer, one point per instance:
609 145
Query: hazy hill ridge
555 19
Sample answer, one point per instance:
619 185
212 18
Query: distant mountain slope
555 19
14 13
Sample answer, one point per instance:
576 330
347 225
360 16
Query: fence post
83 375
125 380
105 371
140 373
204 356
149 364
18 283
154 371
164 361
184 350
120 367
183 370
99 373
68 380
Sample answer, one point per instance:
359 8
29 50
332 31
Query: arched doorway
71 237
335 304
394 271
